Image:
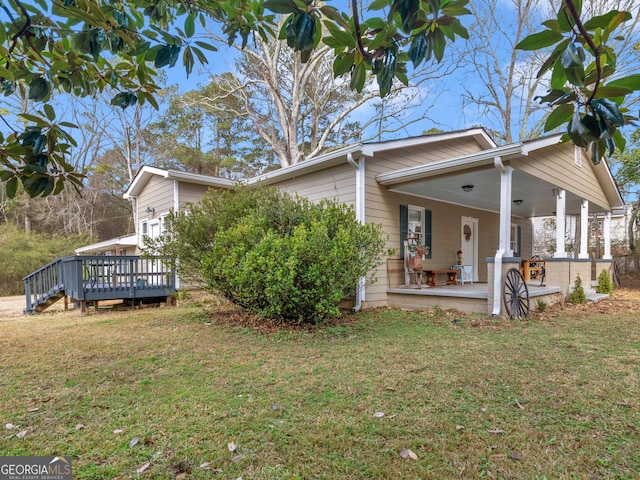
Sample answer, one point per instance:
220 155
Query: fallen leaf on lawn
117 432
145 466
231 446
498 455
406 453
496 431
378 414
239 457
519 405
182 475
22 433
391 389
10 426
624 404
35 409
516 456
134 441
459 427
489 474
80 426
274 407
207 466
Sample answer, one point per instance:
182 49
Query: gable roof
146 172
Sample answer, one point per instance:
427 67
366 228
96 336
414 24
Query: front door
469 243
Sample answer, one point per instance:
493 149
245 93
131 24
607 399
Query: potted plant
459 254
416 251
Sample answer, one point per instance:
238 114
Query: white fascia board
307 166
453 164
140 179
484 139
128 240
538 143
201 179
610 186
146 172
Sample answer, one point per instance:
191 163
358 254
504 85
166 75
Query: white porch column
606 226
561 248
584 229
506 175
505 211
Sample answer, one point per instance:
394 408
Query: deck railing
92 278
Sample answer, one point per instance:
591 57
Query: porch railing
92 278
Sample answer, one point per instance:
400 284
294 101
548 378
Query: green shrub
542 305
578 295
274 254
605 285
23 253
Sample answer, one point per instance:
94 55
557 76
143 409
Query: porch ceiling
537 195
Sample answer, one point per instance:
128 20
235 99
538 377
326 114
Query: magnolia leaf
378 414
118 431
189 25
608 110
540 40
144 467
11 189
134 441
39 89
558 116
609 20
281 6
232 447
343 63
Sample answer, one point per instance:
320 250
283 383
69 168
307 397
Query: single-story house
453 191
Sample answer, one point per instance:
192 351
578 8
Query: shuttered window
415 221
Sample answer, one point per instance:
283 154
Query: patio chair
466 274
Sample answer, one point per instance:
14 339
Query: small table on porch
430 276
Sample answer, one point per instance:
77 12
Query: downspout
360 216
505 218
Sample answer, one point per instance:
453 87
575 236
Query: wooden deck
92 278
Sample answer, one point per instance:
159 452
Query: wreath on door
467 232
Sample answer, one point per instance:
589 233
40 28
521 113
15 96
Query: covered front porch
484 204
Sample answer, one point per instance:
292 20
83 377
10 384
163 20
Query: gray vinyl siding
383 207
425 154
557 165
157 194
190 193
337 183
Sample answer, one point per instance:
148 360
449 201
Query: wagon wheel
516 295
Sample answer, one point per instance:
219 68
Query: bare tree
300 109
505 83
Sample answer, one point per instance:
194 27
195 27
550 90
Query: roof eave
464 162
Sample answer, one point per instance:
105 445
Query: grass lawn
183 392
